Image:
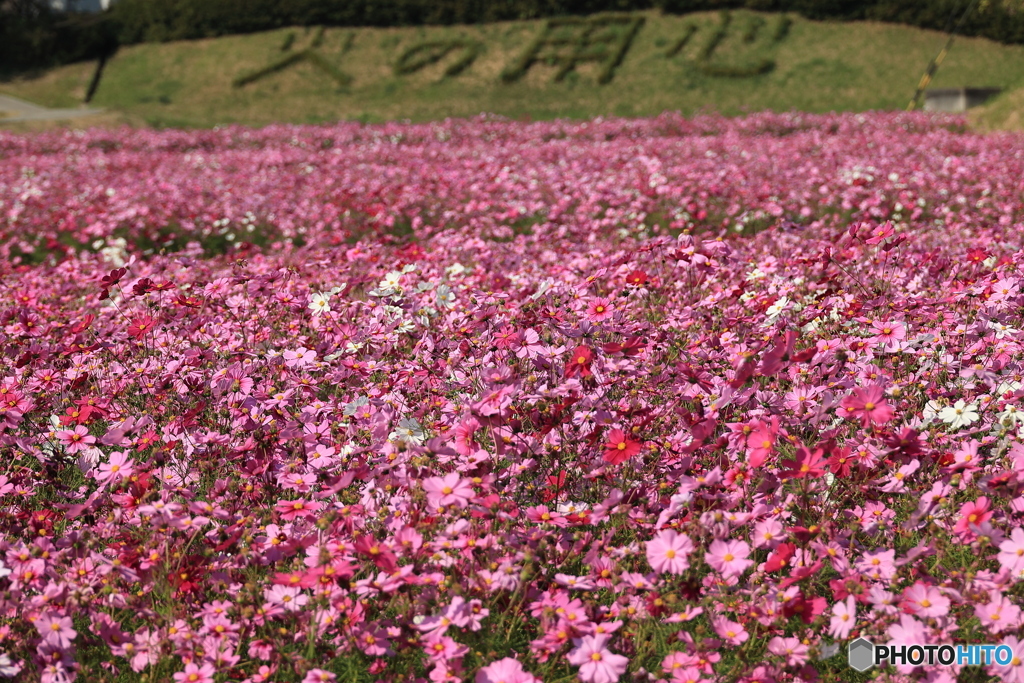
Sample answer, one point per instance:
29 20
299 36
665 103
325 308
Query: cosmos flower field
643 400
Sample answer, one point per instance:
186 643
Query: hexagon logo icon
862 654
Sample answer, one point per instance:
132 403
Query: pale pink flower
1011 552
844 617
57 629
669 552
597 664
505 670
319 676
792 649
196 674
729 557
288 597
733 632
299 357
117 468
999 614
1013 672
450 489
925 601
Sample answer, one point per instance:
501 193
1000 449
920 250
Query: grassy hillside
815 67
1005 112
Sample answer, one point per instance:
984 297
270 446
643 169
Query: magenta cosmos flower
669 552
869 405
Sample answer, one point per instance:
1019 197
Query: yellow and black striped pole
933 66
926 78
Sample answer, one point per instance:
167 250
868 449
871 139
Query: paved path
12 109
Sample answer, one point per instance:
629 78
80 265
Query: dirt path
12 110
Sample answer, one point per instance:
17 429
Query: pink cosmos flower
597 664
600 309
505 670
117 468
319 676
56 629
290 598
869 405
531 346
444 648
669 552
925 601
844 617
75 440
998 614
1013 672
729 558
761 441
733 632
450 489
887 333
974 512
374 642
291 509
1011 552
196 674
880 232
299 357
792 649
805 463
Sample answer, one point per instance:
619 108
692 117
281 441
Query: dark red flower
637 278
579 362
780 557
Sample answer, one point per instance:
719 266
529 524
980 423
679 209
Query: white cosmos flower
319 303
931 411
775 310
959 414
1011 417
1002 330
445 297
8 669
408 430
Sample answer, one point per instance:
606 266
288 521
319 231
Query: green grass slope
814 67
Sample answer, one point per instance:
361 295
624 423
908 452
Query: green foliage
39 37
424 54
